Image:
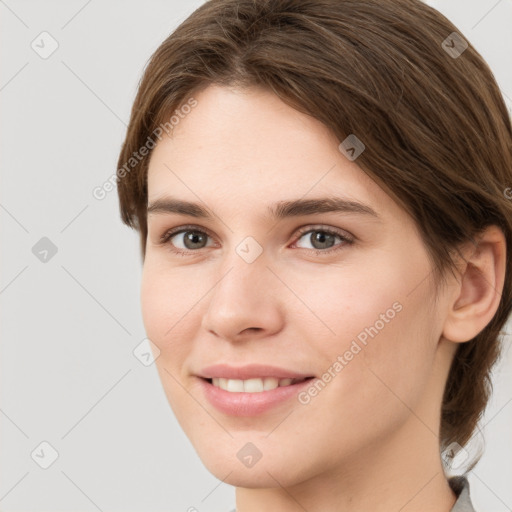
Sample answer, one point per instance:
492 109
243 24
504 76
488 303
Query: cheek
166 295
153 307
167 306
384 336
167 314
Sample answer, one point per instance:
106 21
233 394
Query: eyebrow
277 211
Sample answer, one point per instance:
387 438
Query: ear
477 294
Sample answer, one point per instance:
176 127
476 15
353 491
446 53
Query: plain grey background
70 302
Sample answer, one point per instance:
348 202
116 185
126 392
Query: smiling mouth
254 385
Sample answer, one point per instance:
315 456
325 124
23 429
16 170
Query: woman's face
343 296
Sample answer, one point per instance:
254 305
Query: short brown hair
435 126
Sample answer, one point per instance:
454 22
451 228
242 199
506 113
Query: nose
244 302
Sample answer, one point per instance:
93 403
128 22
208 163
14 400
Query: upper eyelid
324 227
181 229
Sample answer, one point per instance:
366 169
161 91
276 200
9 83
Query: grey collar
460 486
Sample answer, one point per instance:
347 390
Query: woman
320 191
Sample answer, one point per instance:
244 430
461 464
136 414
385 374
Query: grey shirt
460 486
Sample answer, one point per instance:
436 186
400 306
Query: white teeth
270 383
235 385
251 385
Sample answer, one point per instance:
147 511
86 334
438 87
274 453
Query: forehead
248 146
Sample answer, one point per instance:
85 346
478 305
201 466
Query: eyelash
166 237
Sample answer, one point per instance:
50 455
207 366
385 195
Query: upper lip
250 371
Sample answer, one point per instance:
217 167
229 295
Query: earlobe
478 291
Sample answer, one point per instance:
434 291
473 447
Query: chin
259 476
275 468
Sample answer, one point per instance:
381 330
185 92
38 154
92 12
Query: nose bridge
240 298
243 272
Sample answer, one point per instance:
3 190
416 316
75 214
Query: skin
370 439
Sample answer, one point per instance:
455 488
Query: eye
186 240
323 239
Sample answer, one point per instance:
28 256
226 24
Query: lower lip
250 404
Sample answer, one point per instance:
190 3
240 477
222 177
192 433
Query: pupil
322 237
194 238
